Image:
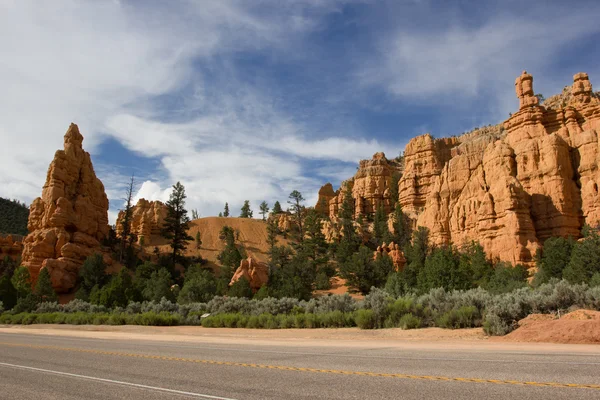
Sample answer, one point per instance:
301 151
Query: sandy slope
581 326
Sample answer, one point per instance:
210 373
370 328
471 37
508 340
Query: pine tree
314 244
394 194
264 210
295 201
380 226
176 222
272 232
220 214
21 280
43 287
127 238
246 211
401 224
277 208
226 211
349 241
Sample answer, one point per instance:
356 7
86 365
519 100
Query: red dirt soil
580 326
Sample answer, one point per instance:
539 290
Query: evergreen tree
21 280
127 238
159 286
264 210
474 263
401 225
198 240
220 214
553 259
226 210
381 232
415 254
295 201
292 276
272 232
43 287
442 269
240 288
394 188
93 272
176 222
200 286
585 259
246 211
349 241
195 214
277 208
13 217
8 293
314 245
506 278
117 293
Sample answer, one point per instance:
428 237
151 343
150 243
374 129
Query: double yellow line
314 370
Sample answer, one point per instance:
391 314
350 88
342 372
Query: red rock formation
510 186
257 273
10 246
147 218
70 219
372 183
391 250
326 194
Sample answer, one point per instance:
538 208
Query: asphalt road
56 367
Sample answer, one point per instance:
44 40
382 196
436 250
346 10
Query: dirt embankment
581 326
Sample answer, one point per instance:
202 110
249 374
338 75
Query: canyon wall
509 186
69 221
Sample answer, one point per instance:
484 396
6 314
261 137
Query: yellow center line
306 369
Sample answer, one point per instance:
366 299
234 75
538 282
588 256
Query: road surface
62 367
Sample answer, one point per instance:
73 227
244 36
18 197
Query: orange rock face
509 186
326 194
370 187
147 218
257 273
10 246
70 220
391 250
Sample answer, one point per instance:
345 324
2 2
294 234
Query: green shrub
463 317
409 321
365 319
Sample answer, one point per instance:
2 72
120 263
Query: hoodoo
69 221
509 186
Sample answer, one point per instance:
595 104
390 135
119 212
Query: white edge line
137 385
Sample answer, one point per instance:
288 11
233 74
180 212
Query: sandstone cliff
509 186
147 218
70 219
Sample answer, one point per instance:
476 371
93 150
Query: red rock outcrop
370 186
257 273
393 251
509 186
11 246
326 194
70 220
147 218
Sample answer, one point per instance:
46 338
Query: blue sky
253 99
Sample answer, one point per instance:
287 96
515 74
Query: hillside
13 217
252 237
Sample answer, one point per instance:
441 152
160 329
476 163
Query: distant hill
13 217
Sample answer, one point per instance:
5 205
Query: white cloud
101 65
449 60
